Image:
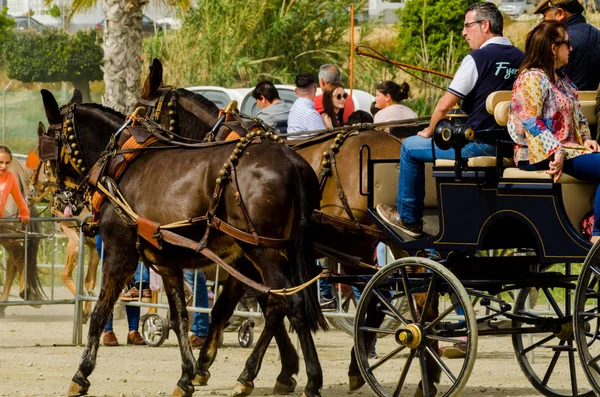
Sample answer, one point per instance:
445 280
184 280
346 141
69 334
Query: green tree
6 25
54 55
429 33
122 48
234 43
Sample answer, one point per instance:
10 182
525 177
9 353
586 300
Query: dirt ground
36 359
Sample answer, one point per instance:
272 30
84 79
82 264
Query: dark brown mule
171 185
346 227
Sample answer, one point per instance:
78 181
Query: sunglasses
340 96
567 42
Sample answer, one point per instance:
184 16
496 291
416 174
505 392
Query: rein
402 66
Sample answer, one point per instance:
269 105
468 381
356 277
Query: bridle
60 145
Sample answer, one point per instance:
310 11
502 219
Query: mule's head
43 177
76 136
187 115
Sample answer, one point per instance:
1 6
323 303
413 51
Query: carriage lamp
453 133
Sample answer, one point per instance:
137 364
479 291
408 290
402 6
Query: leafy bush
6 25
232 43
54 55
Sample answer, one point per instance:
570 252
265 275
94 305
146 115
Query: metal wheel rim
153 330
584 325
459 380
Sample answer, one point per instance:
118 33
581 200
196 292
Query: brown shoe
110 339
134 338
130 295
147 295
197 341
390 216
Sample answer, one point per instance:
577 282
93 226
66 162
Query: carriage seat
576 194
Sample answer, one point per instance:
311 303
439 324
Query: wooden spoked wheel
397 371
547 357
586 321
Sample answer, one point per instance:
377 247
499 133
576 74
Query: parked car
24 23
169 22
516 8
148 27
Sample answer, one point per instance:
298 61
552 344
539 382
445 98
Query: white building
82 20
385 9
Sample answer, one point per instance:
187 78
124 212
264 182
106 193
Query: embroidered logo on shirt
508 72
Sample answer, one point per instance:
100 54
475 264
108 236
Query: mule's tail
301 252
34 283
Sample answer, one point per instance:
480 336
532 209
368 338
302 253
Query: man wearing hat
584 61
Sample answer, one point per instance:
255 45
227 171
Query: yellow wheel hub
566 332
410 336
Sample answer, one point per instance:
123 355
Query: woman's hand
591 144
556 165
25 220
425 133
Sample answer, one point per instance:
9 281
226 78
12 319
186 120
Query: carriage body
489 206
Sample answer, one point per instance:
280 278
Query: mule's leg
374 319
274 269
10 274
72 253
285 382
90 280
119 267
173 282
221 312
433 369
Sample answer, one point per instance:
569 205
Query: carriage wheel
155 330
587 317
246 333
349 304
397 369
544 356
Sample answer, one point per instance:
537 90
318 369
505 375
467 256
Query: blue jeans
200 326
133 312
415 152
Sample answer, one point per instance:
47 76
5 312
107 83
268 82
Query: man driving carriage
491 66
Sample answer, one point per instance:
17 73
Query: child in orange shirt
10 185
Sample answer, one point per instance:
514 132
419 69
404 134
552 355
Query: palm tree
122 48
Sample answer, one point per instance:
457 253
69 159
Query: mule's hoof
179 392
85 317
355 382
201 379
76 389
420 393
241 389
282 388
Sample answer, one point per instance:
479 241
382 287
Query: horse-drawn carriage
480 204
484 203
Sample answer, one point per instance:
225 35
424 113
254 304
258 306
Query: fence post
77 323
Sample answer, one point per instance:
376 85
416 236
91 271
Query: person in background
582 68
9 185
388 99
333 104
273 110
329 78
303 116
197 282
133 312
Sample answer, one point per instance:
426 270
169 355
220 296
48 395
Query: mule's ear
51 107
77 98
41 129
154 80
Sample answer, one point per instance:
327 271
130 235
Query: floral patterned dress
544 117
